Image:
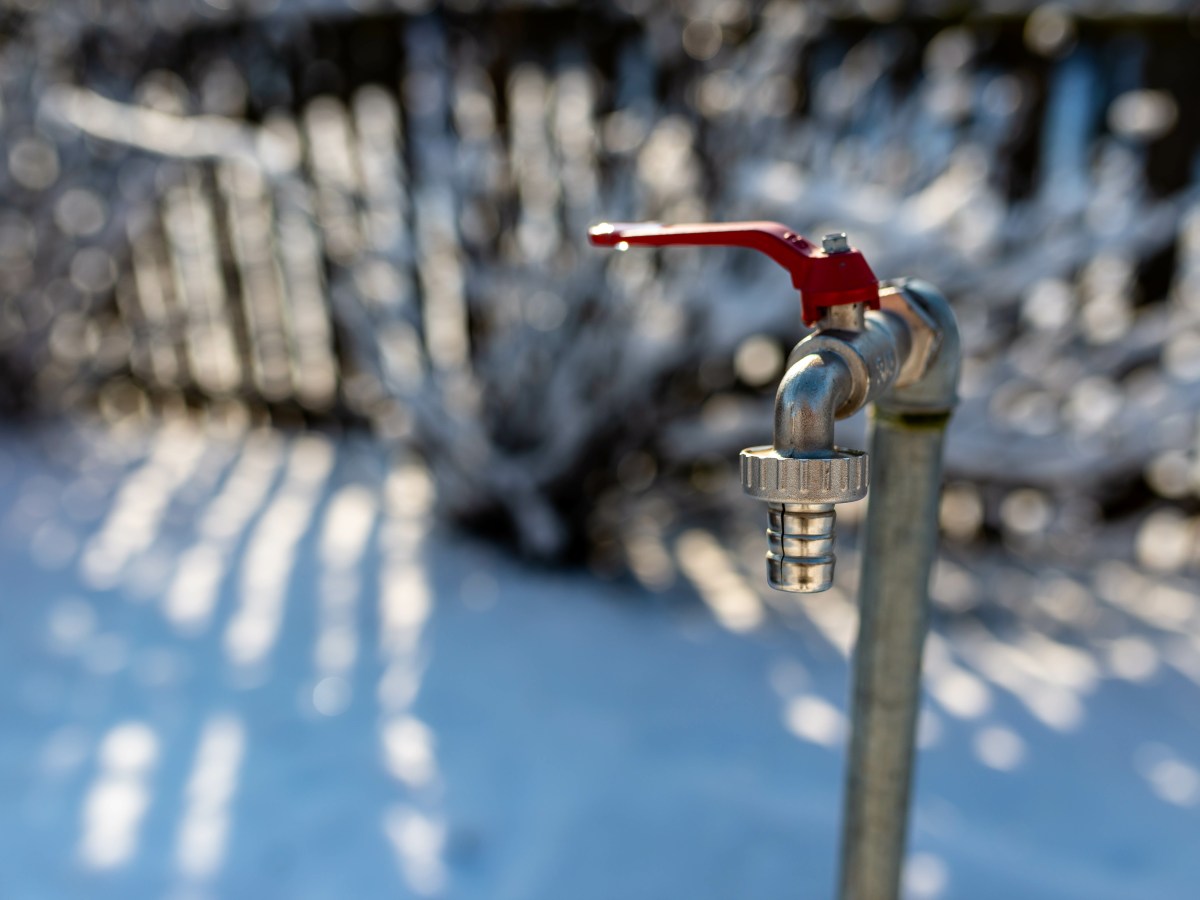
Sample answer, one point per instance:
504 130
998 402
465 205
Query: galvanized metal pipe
898 552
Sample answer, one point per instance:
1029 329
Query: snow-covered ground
245 664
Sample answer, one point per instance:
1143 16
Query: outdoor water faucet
894 346
868 338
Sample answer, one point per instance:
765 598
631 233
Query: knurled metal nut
783 479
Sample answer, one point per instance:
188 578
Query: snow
405 711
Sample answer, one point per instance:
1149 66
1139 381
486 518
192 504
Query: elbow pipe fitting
809 395
875 356
932 389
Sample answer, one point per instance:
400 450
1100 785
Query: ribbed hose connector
800 555
800 492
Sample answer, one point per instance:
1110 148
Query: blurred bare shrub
381 218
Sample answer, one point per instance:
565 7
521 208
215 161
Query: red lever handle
823 279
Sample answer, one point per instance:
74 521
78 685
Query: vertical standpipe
897 555
898 550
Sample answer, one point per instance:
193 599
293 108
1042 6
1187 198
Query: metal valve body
868 337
